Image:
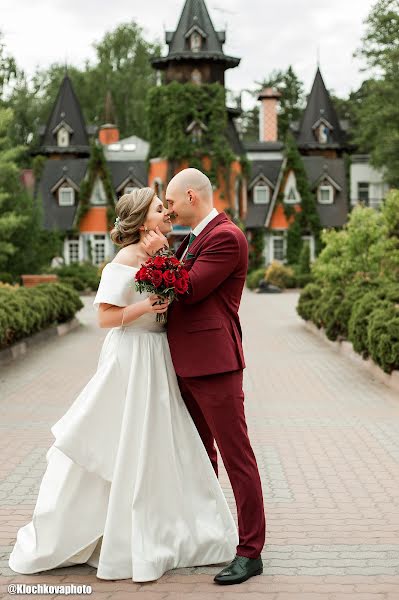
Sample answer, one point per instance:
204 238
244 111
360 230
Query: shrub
362 309
254 278
24 311
88 274
308 301
383 335
6 278
280 275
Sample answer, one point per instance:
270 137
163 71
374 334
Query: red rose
156 277
159 262
169 278
181 285
174 261
141 274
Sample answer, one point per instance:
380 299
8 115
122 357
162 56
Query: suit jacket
203 327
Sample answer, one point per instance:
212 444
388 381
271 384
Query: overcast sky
265 34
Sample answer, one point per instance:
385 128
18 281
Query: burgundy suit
204 336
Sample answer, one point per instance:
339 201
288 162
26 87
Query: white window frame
99 240
310 239
331 194
128 189
274 237
261 188
61 193
67 251
291 184
195 41
62 138
100 198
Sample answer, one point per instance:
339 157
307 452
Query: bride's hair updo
132 209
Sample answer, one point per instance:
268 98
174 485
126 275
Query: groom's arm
212 266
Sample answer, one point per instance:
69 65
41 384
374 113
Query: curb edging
21 347
346 348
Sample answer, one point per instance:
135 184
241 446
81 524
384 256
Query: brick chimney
268 130
109 133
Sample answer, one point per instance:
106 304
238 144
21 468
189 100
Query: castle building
72 178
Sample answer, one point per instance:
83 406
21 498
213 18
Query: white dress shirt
201 226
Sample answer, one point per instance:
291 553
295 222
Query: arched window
63 137
195 41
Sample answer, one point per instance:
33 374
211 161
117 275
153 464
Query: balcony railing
371 202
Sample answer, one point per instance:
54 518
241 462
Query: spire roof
67 113
320 111
195 18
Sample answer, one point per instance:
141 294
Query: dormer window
98 195
129 188
322 130
261 194
325 194
66 196
62 137
323 133
62 133
196 129
195 42
291 194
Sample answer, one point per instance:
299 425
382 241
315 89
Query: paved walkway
326 437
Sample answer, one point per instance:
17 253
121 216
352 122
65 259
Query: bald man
204 336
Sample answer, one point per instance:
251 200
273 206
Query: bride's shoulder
125 256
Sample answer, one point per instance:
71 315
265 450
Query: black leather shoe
239 570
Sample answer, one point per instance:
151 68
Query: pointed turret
195 48
65 132
320 128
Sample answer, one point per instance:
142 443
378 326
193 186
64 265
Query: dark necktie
190 241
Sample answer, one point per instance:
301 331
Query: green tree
8 68
290 105
12 220
378 113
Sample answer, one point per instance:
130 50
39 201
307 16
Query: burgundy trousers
216 405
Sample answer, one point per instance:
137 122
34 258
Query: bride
129 488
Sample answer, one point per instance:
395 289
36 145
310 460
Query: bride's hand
152 304
154 241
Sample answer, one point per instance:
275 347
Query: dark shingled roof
122 170
235 142
66 108
195 14
59 217
256 214
336 214
319 105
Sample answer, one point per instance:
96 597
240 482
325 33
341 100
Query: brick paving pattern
325 434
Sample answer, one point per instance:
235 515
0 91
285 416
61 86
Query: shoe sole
241 580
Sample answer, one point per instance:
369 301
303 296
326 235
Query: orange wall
95 220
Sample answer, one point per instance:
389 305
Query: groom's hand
154 241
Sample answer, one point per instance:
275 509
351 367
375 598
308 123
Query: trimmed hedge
80 276
366 313
25 311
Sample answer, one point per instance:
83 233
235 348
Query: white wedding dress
129 487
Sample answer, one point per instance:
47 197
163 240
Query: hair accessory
116 224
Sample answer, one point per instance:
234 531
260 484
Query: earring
145 229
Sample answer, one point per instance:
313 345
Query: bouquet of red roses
163 275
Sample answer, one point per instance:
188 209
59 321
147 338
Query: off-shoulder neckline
122 265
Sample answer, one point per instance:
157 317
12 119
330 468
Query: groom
204 336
